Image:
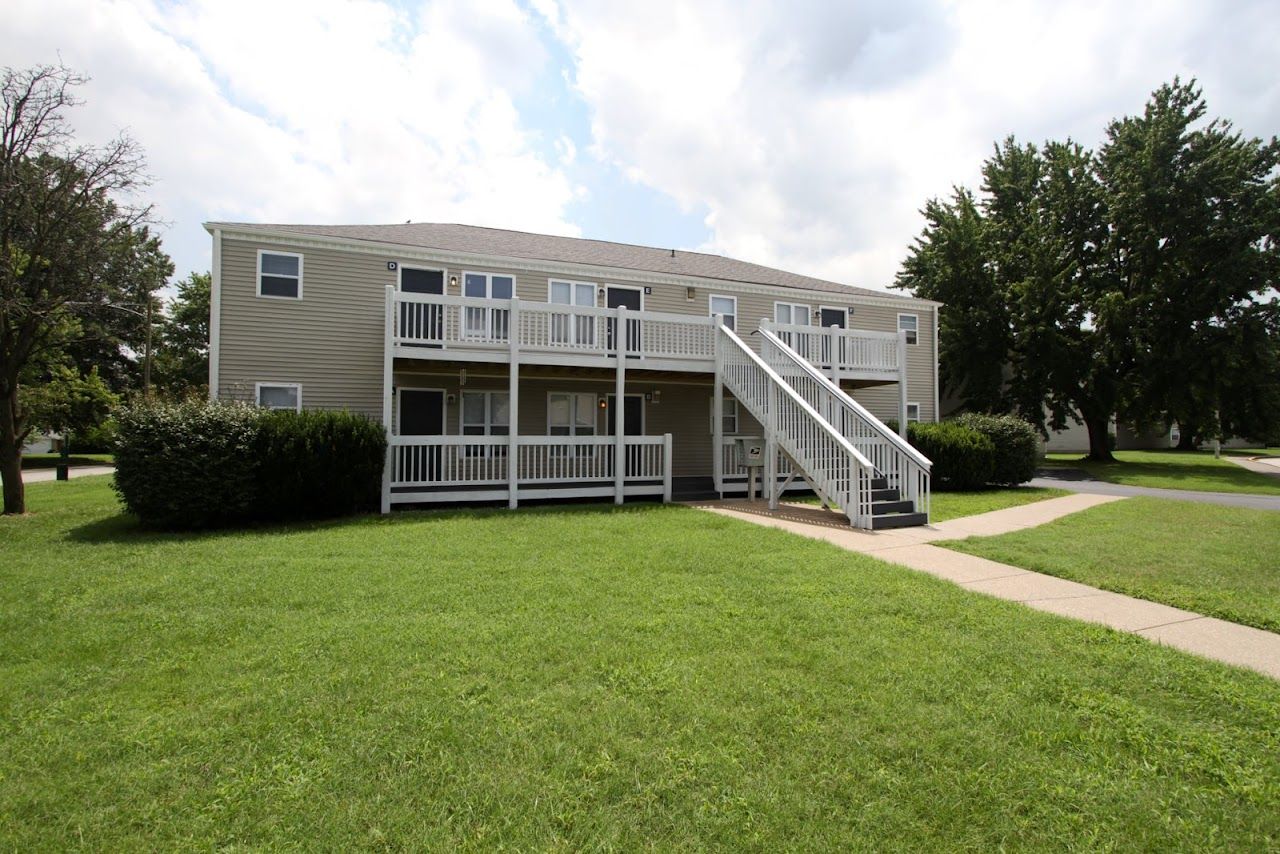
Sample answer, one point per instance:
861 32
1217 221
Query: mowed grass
1220 561
1193 470
955 505
583 678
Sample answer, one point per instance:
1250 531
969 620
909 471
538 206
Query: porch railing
847 349
483 463
449 322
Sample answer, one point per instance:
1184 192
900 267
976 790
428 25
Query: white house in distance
510 366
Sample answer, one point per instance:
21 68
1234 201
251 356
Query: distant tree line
1138 281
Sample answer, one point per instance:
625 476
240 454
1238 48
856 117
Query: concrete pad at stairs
1016 518
1243 646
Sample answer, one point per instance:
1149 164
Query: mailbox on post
751 452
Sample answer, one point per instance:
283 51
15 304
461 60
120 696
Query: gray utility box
751 451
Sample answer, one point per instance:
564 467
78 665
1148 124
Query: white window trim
808 312
573 283
257 394
488 283
573 424
258 286
737 415
444 408
488 410
444 275
711 312
901 315
608 285
609 422
844 312
917 418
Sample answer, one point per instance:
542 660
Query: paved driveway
1075 480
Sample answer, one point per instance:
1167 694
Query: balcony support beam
513 407
902 384
620 407
388 337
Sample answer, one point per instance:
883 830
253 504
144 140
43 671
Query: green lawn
1194 470
1221 561
48 461
583 678
954 505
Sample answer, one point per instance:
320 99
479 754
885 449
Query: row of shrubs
206 464
973 451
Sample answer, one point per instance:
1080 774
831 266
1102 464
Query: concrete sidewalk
40 475
1074 480
1270 466
1206 636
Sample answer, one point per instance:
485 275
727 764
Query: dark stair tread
885 495
884 508
898 520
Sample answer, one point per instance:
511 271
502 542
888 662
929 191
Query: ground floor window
279 396
913 413
486 413
571 414
728 416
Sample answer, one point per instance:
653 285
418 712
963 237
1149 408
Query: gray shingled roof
574 250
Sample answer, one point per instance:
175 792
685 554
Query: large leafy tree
1130 283
182 357
73 249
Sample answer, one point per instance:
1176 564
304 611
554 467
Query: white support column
620 408
717 414
666 468
833 341
902 383
388 350
513 408
771 449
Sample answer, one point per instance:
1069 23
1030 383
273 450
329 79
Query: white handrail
848 402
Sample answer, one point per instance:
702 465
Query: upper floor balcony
440 327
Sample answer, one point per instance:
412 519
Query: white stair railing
891 455
836 469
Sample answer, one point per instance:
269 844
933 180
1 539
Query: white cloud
327 111
813 132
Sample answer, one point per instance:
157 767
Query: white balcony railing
855 350
434 322
434 468
458 323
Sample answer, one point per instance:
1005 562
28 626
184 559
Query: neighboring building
453 335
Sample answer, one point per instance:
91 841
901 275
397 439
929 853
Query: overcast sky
802 134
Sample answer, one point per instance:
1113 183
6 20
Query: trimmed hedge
205 465
962 457
1015 443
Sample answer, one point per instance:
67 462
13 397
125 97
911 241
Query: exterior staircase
853 462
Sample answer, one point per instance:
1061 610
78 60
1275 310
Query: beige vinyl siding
331 341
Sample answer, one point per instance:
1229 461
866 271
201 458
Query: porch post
717 414
620 408
833 342
902 384
771 448
388 327
513 408
666 468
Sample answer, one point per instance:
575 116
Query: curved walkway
1210 637
1075 480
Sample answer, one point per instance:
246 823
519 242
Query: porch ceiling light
453 281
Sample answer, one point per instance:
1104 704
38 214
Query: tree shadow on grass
126 528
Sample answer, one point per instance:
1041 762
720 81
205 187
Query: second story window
487 323
726 306
279 274
910 324
791 313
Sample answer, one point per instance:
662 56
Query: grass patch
1193 470
48 461
587 677
955 505
1219 561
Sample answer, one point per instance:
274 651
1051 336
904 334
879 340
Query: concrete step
884 508
898 520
